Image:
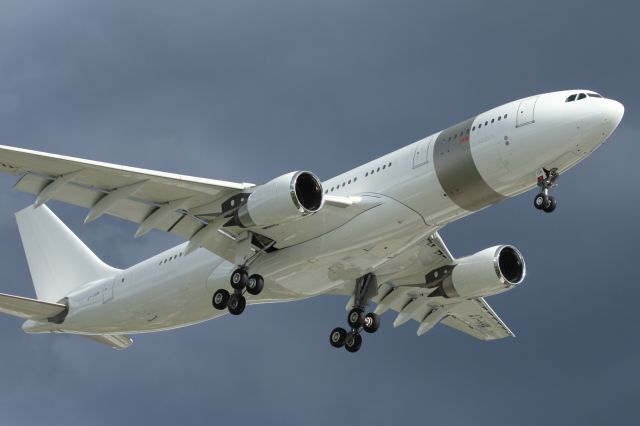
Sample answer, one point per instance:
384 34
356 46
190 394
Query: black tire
239 279
353 342
255 284
337 337
220 299
237 303
541 201
355 319
371 322
552 205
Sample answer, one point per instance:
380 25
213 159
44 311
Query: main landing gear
366 287
547 179
241 283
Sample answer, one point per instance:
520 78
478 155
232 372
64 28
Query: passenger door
421 154
526 111
107 290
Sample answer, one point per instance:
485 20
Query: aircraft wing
182 205
157 200
402 292
476 318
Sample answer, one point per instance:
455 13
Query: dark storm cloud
246 91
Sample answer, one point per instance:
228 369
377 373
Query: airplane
370 234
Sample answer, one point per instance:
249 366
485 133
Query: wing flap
115 341
24 307
476 318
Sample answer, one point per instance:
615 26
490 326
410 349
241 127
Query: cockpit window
578 96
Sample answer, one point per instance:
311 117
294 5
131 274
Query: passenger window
499 118
581 96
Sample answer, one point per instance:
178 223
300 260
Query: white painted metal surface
381 217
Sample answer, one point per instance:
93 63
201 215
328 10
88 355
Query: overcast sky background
249 90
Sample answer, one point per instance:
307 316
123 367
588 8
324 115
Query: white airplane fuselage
426 185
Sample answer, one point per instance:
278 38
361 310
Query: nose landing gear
366 287
547 179
241 282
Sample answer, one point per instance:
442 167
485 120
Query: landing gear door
526 111
421 154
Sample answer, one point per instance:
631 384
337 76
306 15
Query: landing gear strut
366 287
547 179
241 282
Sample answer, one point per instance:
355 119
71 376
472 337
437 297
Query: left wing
402 292
476 318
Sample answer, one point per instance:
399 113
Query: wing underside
402 292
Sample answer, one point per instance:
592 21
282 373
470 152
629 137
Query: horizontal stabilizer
115 341
26 308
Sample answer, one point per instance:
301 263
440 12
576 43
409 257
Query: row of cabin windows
355 179
493 120
579 96
170 258
473 129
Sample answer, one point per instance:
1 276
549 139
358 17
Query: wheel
255 284
355 318
541 201
239 278
337 337
371 323
237 302
220 299
552 205
353 342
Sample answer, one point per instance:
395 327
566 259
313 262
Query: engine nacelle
490 271
282 200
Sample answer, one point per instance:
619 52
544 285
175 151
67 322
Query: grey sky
248 90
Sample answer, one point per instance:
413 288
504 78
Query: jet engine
281 200
490 271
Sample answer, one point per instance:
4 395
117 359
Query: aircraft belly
341 256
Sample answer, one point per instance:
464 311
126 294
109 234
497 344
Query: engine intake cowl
282 200
490 271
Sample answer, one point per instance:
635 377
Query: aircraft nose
613 113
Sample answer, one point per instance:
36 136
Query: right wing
179 204
194 208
